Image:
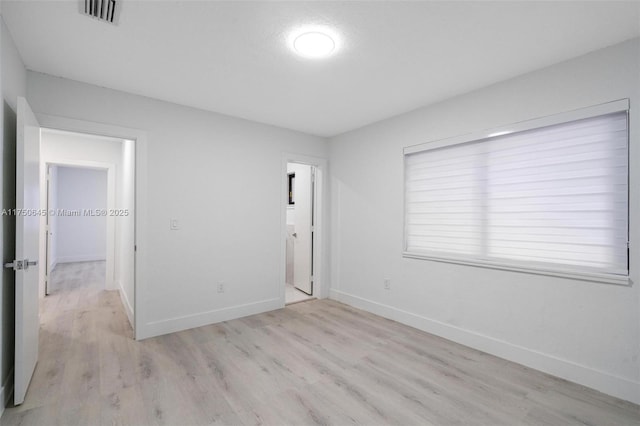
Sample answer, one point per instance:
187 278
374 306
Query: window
546 196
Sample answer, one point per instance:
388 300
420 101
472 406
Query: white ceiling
233 57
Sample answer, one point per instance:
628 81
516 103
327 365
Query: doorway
31 196
88 183
76 228
300 221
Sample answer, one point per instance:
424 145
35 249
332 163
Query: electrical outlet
221 287
387 284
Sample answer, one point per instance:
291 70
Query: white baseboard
599 380
81 258
125 302
6 391
172 325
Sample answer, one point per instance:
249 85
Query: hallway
84 338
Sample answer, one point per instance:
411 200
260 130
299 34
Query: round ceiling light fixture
314 44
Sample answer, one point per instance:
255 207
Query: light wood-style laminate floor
317 362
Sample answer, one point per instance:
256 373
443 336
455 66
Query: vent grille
104 10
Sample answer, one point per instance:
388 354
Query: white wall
81 238
220 177
583 331
13 84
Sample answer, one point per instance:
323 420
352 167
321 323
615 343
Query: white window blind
554 198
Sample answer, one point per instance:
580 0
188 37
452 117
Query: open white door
27 235
302 242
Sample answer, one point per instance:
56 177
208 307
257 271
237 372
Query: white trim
172 325
89 127
563 117
320 249
6 391
125 302
82 258
140 139
505 266
140 237
619 387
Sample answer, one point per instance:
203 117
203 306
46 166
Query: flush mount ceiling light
313 44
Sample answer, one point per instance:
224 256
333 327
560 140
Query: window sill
623 280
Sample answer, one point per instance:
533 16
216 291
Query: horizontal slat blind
550 196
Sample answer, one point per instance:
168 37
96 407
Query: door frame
320 252
139 137
110 168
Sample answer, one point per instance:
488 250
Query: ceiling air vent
103 10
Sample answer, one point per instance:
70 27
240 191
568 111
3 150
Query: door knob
18 265
294 235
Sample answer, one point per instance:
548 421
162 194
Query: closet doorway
301 228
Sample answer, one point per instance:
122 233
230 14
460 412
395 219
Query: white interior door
302 242
27 235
